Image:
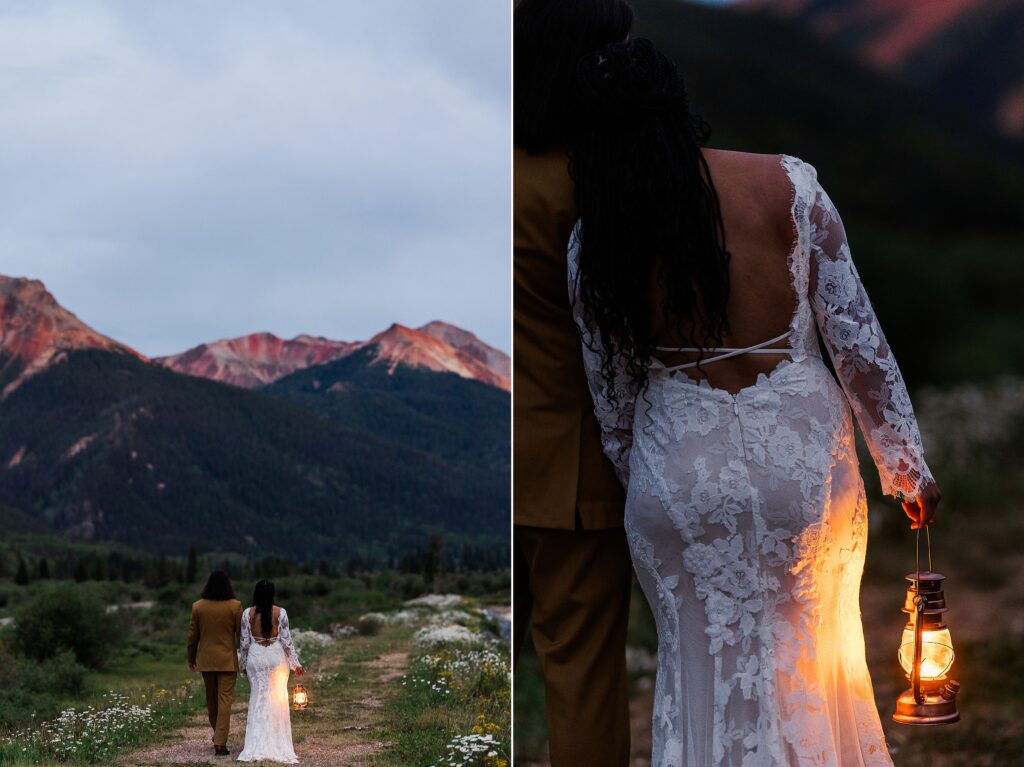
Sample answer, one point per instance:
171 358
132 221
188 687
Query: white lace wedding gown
747 522
268 726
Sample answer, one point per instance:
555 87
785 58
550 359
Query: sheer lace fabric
268 664
747 522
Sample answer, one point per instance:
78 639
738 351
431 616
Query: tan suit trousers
220 692
572 591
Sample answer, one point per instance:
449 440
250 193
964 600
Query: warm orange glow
936 652
300 698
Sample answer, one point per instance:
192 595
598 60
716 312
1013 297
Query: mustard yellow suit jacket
560 467
213 634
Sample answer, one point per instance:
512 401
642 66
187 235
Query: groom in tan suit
571 563
213 634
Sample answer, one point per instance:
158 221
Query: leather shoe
221 751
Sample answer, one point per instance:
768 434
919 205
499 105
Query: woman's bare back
755 195
256 625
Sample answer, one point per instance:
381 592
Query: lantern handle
917 552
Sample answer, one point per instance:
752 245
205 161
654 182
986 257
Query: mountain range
262 358
36 330
310 448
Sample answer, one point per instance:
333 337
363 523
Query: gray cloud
180 172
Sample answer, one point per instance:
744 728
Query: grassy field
975 440
383 699
390 683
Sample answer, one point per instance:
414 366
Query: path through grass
382 699
353 678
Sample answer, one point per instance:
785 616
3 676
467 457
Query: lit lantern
300 698
926 654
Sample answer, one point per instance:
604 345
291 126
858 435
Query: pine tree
44 569
434 559
21 577
192 568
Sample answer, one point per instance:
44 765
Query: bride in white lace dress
268 657
745 512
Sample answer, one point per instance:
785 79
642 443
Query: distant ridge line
36 331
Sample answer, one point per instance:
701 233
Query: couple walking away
673 411
266 655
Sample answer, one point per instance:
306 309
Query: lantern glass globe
936 652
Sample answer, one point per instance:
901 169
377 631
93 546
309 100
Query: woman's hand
921 510
299 670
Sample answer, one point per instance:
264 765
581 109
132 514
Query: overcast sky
181 172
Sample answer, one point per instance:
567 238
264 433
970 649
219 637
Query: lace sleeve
863 360
615 419
245 641
285 637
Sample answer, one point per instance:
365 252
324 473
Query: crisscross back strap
726 352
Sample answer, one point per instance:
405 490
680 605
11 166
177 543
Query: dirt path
348 688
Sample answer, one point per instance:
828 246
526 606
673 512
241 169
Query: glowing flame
936 652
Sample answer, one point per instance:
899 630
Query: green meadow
93 640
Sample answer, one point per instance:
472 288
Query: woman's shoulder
765 171
762 186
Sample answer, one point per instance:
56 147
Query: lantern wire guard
931 698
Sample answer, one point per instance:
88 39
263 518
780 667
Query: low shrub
61 675
171 594
34 690
64 618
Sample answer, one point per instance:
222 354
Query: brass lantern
300 698
926 654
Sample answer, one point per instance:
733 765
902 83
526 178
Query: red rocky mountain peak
36 331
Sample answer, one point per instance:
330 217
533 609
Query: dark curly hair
649 212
